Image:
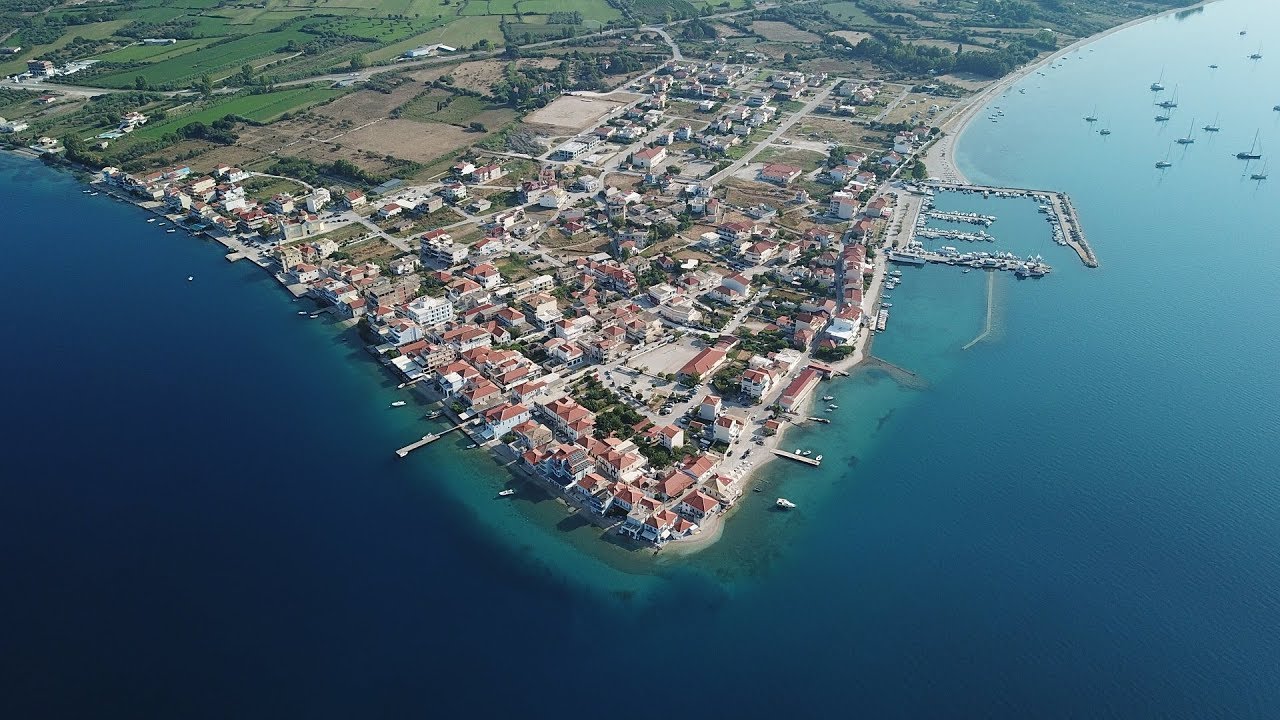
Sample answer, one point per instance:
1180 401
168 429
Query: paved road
782 128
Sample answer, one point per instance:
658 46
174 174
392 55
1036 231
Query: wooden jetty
424 441
797 458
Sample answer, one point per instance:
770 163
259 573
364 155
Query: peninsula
620 250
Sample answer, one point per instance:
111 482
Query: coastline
940 159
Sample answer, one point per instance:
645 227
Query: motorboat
171 230
190 278
785 504
827 398
151 220
507 493
818 458
399 403
807 453
472 446
302 312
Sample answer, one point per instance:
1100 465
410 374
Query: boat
151 220
302 312
1164 163
1162 118
1157 86
1171 103
1213 126
785 504
1261 174
886 304
399 403
433 415
1257 55
1214 67
93 194
1252 153
827 410
1244 32
1188 139
826 398
833 406
472 446
966 270
1093 116
190 278
507 493
818 458
171 230
1276 108
807 453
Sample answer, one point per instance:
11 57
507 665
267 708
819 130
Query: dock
797 458
424 441
1058 202
824 421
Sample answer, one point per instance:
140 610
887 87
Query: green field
460 33
153 53
93 31
216 60
594 12
459 111
259 108
851 13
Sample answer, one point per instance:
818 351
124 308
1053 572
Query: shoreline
940 160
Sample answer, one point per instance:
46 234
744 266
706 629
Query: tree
358 62
205 86
918 171
140 82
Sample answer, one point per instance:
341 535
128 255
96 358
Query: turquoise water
1075 517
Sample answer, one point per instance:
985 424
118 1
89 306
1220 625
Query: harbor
1057 206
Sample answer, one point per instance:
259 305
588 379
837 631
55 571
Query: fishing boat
1252 153
1104 131
1260 175
785 504
399 403
302 312
1188 139
507 493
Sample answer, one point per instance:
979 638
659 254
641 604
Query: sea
201 514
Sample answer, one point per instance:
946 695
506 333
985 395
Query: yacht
472 446
1093 116
399 403
785 504
1276 108
1104 131
833 406
1260 175
1213 126
1188 139
827 398
1170 103
807 453
1252 153
1162 118
1157 86
1164 163
171 230
818 458
151 220
302 312
507 493
1257 55
1213 67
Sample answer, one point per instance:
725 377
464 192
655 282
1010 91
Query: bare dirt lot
783 32
419 142
572 113
364 106
853 36
479 75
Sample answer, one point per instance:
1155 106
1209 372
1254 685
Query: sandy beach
940 160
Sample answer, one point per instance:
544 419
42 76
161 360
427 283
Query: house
780 174
649 158
756 382
703 364
354 199
843 205
671 437
569 419
698 505
502 419
726 429
760 253
710 408
430 311
795 393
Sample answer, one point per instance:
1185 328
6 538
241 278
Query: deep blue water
202 517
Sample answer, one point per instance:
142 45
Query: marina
1056 205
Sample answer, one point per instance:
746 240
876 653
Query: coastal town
633 316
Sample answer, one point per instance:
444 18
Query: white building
430 311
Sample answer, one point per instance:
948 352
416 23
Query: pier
991 296
982 261
935 233
962 217
1060 206
824 421
797 458
424 441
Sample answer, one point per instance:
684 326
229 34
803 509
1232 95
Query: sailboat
1252 153
1260 175
1157 86
1213 126
1257 55
1162 118
1188 139
1164 163
1093 116
1104 131
1172 103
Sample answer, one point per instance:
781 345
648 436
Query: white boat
826 398
472 446
399 403
785 504
799 451
151 220
170 230
807 453
190 278
819 458
507 493
302 312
